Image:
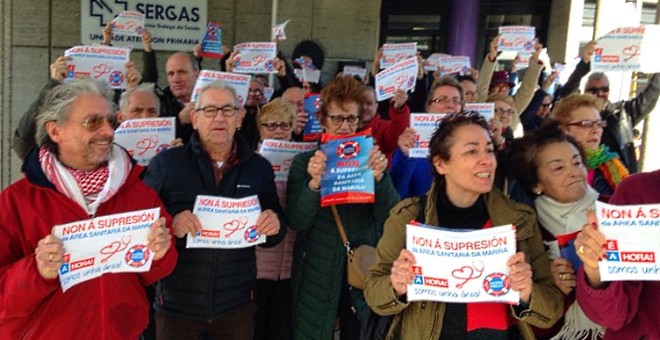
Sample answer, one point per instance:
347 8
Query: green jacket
319 265
423 320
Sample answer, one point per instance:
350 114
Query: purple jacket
629 309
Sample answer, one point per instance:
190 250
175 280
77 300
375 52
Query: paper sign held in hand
394 53
516 38
128 23
255 57
103 63
400 76
240 83
628 49
145 138
212 41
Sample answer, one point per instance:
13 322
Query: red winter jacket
386 132
113 306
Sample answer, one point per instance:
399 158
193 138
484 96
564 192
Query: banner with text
240 83
628 49
103 63
280 154
145 138
394 53
255 57
424 125
516 38
401 75
486 110
128 23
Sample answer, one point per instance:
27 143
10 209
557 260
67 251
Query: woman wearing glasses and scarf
579 116
321 293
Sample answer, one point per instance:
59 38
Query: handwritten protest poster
280 154
454 65
347 177
103 63
145 138
278 31
461 266
255 57
394 53
628 49
424 125
128 23
516 38
212 41
401 75
227 223
106 244
632 234
313 128
240 83
486 110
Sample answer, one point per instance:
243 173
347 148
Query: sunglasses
94 123
588 124
596 90
273 126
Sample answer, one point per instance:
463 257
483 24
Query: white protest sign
255 57
278 31
240 83
174 25
227 223
268 93
104 63
486 110
433 61
401 75
424 124
522 60
106 244
280 154
355 71
628 49
454 65
145 138
307 74
632 234
461 266
128 23
394 53
516 38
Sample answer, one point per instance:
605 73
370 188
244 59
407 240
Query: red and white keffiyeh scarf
87 188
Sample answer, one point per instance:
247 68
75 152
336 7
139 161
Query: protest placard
227 223
394 53
145 138
516 38
240 83
128 23
461 266
355 71
522 60
212 41
401 75
632 234
486 110
106 244
454 65
280 154
432 63
628 49
424 125
278 31
347 177
313 128
308 74
103 63
255 57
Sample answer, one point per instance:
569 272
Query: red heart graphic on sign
631 51
463 273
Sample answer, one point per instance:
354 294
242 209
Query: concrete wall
35 32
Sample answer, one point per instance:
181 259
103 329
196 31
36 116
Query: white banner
633 242
424 124
128 23
401 75
355 71
628 49
486 110
227 223
516 38
461 266
432 63
454 65
174 25
240 83
146 137
280 154
104 63
107 244
255 57
394 53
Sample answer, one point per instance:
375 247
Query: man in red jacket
74 174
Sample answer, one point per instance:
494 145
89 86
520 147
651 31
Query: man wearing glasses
75 173
621 116
211 291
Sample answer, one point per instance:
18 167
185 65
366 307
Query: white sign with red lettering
278 31
401 75
280 154
128 23
355 71
633 242
106 244
146 137
516 38
455 265
433 61
227 223
240 83
255 57
103 63
394 53
486 110
454 65
628 49
424 125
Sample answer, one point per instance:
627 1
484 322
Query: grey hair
57 105
191 58
144 87
596 76
217 85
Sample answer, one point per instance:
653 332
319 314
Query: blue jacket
411 176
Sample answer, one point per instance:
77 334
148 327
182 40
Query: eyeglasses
95 122
501 112
339 119
588 124
596 90
273 126
446 100
211 111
